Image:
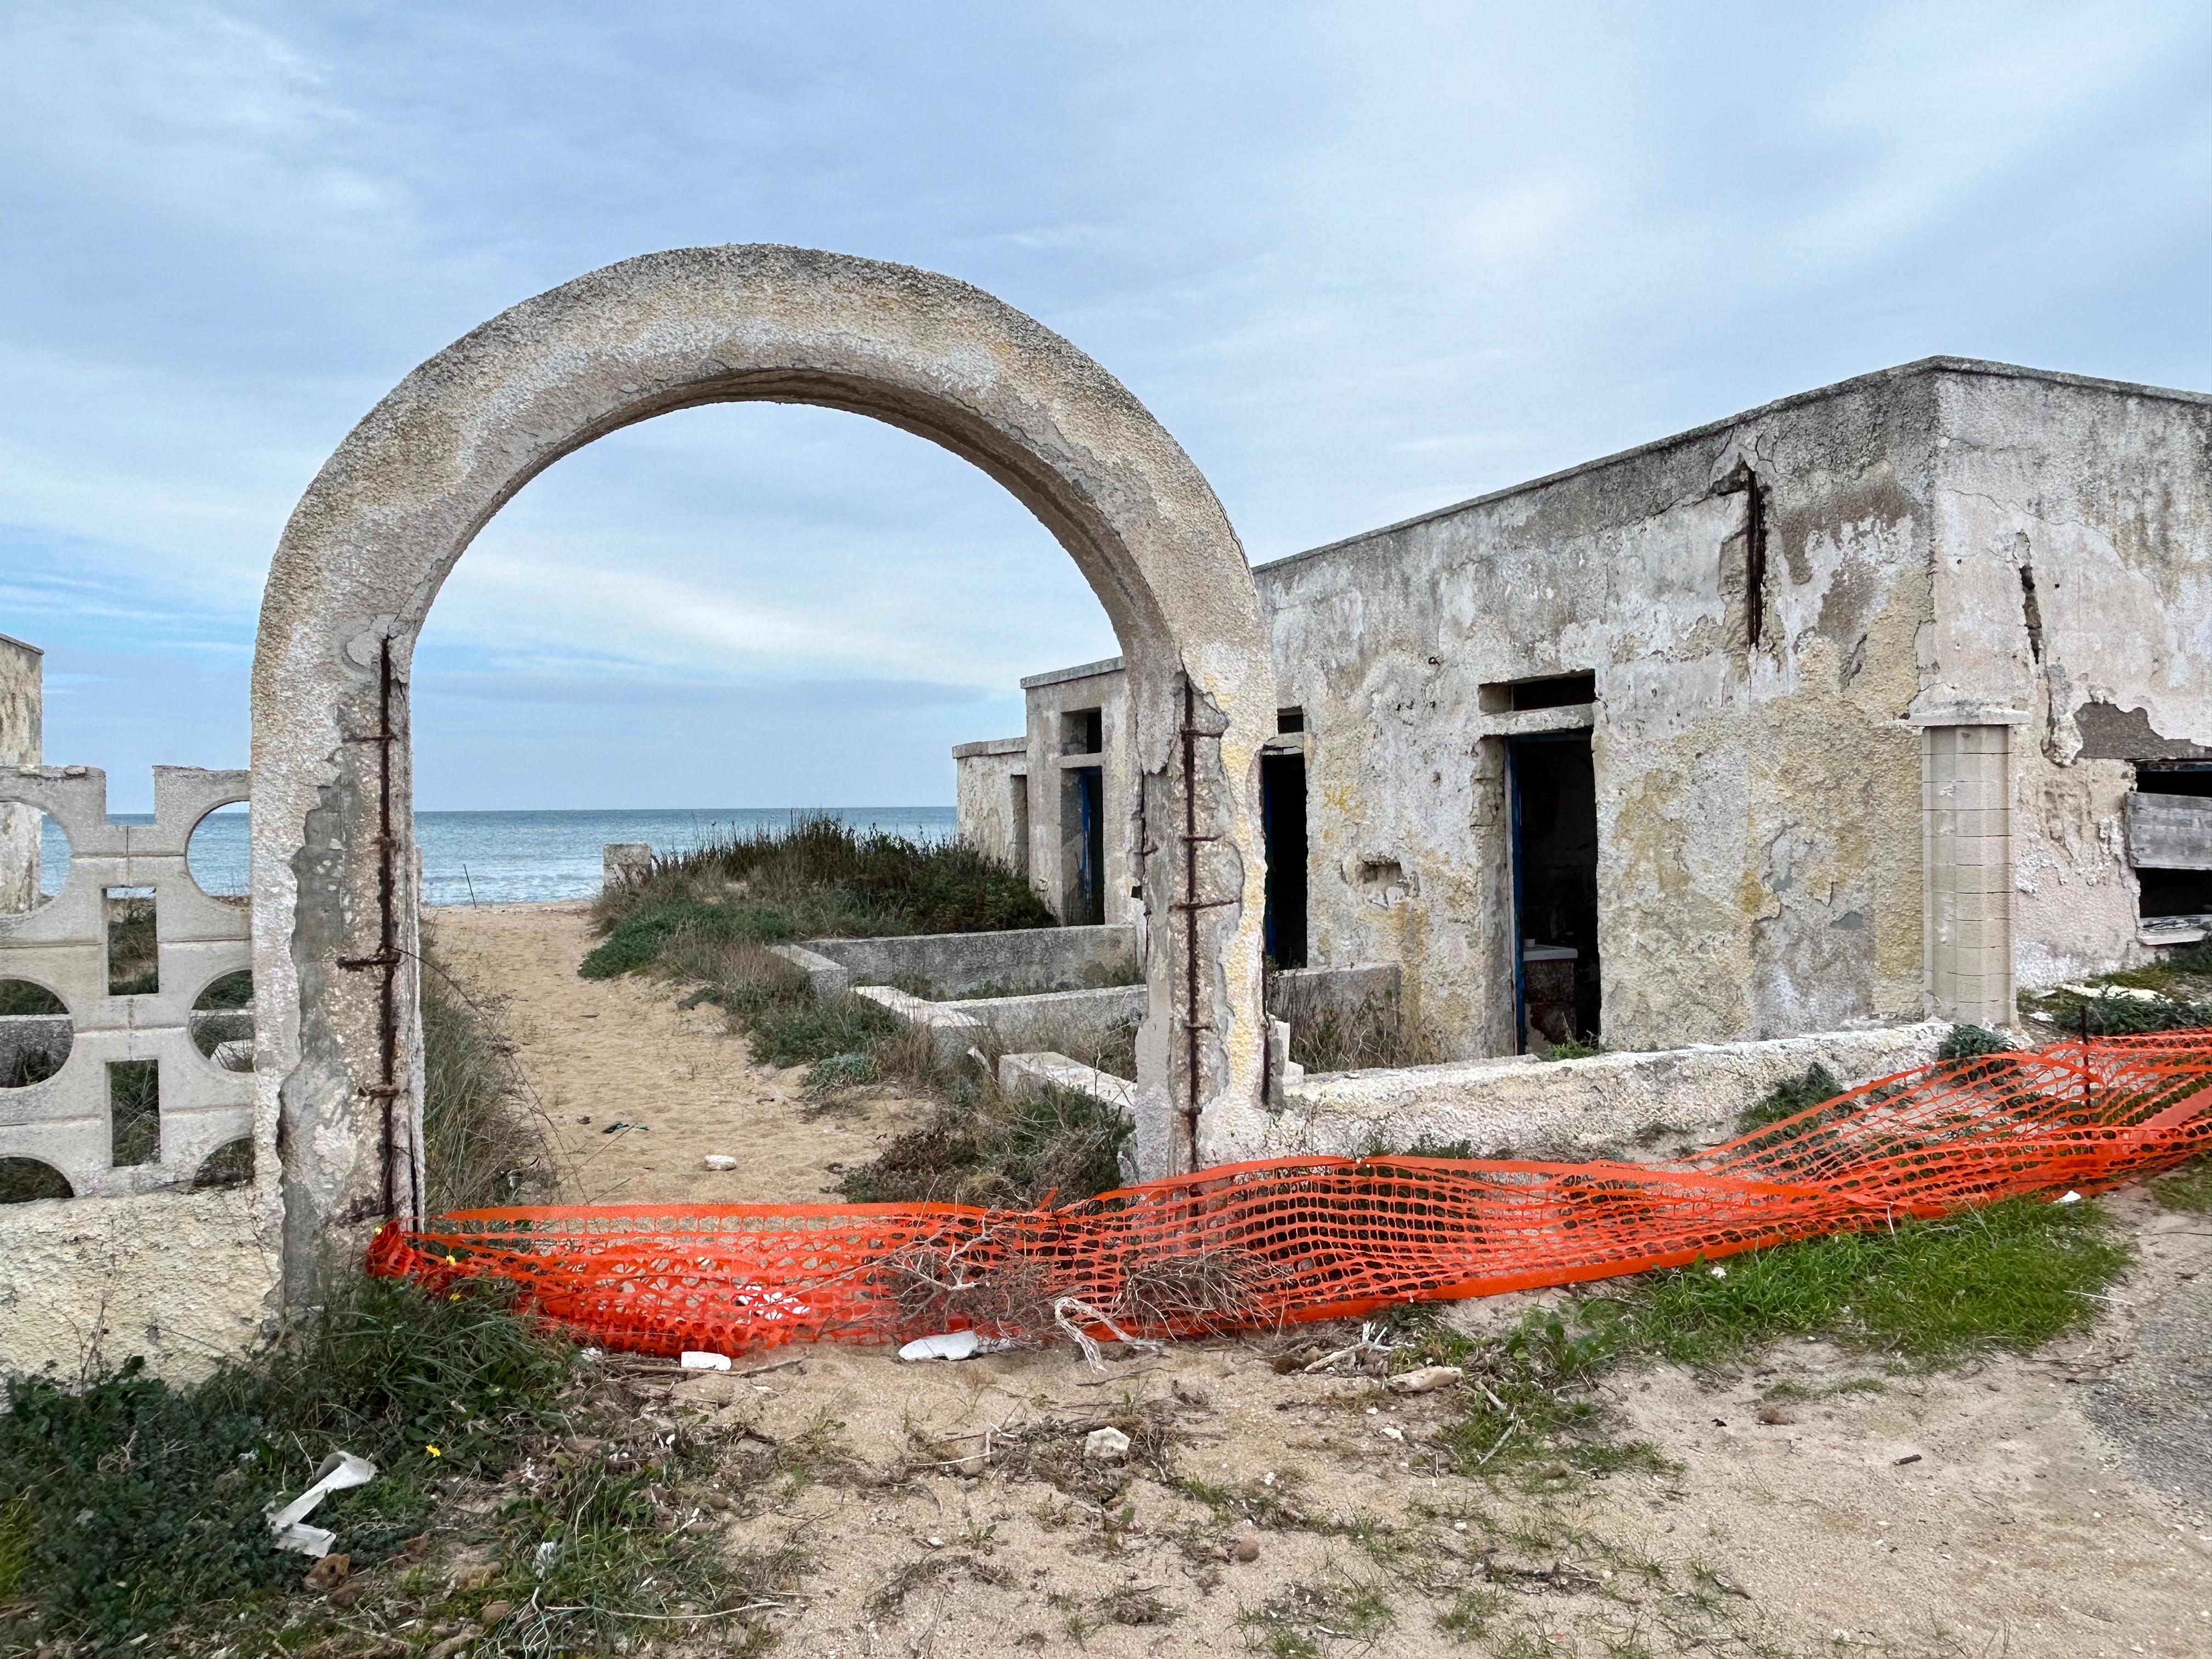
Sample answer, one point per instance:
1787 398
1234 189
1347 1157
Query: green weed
818 879
982 1147
1293 1626
2011 1277
160 1492
482 1143
1790 1097
2188 1187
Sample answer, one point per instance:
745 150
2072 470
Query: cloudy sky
1361 260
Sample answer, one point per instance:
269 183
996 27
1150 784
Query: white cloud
1362 263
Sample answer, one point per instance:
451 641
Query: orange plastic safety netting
1253 1245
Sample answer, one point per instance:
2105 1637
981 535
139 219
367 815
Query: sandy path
602 1052
1967 1514
1976 1513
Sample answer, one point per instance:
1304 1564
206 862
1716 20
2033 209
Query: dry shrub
1204 1292
937 1289
1374 1033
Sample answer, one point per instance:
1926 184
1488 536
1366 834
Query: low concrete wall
1301 994
1021 1075
1654 1104
953 1031
959 964
181 1278
1084 1021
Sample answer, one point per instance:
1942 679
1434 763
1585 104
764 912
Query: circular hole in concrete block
217 855
25 1181
35 858
222 1017
36 1033
230 1164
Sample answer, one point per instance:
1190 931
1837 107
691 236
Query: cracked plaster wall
2102 494
1757 807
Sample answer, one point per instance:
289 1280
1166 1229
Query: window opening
223 1013
1557 979
133 950
35 858
1021 823
1552 691
1289 720
1283 837
1081 732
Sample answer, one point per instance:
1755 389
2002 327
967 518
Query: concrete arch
363 557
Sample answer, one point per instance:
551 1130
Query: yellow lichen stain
1755 899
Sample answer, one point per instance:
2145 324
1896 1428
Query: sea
510 858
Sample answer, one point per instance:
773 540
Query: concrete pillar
1965 794
21 703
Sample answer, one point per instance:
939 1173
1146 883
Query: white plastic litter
1107 1445
289 1525
2071 1198
1426 1380
697 1359
721 1161
945 1345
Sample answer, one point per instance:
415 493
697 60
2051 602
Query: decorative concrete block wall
61 944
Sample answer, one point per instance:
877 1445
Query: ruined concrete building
1871 703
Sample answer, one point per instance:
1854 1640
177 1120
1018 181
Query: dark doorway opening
1557 982
1083 832
1283 837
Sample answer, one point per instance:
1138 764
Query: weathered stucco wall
984 777
2074 590
184 1279
1758 805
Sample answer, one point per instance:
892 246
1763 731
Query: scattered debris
721 1162
955 1345
1106 1445
1369 1353
1899 1463
289 1525
1427 1380
328 1572
697 1359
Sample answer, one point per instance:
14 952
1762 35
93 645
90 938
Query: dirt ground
600 1054
2053 1507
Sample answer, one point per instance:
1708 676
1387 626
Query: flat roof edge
1901 372
1080 671
991 746
35 650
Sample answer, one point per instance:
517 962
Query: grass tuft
159 1492
2188 1187
1790 1097
2011 1277
818 879
1374 1033
482 1143
983 1147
